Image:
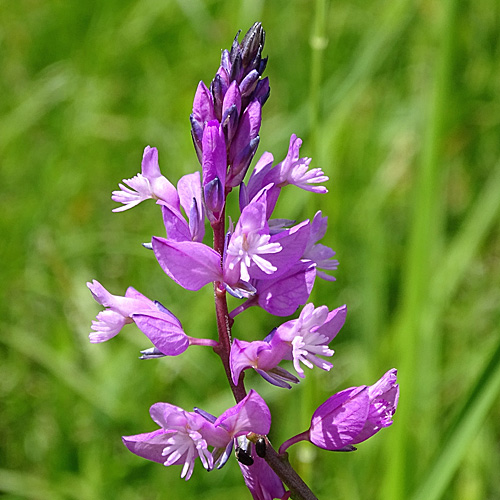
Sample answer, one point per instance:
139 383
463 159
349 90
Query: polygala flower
262 261
352 416
184 436
150 183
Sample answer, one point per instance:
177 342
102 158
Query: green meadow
397 101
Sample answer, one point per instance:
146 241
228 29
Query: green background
398 101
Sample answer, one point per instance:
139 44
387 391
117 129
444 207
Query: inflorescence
264 262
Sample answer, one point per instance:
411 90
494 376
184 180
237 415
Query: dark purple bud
236 69
214 198
242 162
252 43
232 98
262 91
249 83
235 48
203 107
197 135
218 89
248 129
214 162
230 123
225 61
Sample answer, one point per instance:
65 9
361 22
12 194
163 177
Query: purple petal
214 153
333 323
232 98
190 264
249 415
340 419
175 224
149 445
203 107
283 296
293 242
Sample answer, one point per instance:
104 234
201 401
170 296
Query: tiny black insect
243 456
260 447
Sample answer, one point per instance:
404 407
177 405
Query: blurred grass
397 101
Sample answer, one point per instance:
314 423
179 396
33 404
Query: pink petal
190 264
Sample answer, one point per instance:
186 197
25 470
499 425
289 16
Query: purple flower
162 328
249 242
309 335
292 170
263 356
148 184
183 436
352 416
118 311
295 170
302 340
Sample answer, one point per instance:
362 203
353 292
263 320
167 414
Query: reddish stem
224 322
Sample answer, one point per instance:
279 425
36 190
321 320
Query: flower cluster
262 261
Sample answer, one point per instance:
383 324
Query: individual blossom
250 244
181 439
150 183
301 340
295 170
184 436
309 335
118 310
291 171
352 416
162 328
263 356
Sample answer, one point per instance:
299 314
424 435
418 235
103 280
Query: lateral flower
118 311
249 242
352 416
295 170
263 356
150 183
161 327
183 436
309 335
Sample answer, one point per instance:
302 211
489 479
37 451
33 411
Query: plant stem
224 322
281 466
